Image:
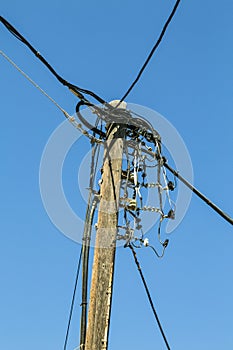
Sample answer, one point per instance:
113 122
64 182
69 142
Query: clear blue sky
100 45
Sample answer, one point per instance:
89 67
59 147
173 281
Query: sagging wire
165 244
137 139
160 209
171 212
133 180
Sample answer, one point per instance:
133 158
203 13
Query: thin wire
149 296
71 119
152 51
34 83
73 299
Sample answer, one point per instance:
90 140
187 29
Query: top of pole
118 104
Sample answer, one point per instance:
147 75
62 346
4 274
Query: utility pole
105 247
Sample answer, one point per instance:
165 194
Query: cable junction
139 124
107 110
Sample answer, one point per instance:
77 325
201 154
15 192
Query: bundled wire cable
73 88
152 51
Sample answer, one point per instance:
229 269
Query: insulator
132 204
165 243
152 185
171 186
171 214
131 176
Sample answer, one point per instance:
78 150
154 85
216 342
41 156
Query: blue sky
100 46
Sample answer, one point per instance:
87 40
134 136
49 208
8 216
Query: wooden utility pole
104 256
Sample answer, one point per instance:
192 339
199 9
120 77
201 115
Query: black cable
74 88
73 299
111 114
199 194
137 126
78 91
85 122
90 211
149 296
153 50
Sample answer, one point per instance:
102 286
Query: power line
70 118
199 194
33 82
73 299
135 121
73 88
152 51
149 296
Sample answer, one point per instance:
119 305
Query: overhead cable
149 296
199 194
73 88
152 51
33 82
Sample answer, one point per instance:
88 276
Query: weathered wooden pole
105 247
